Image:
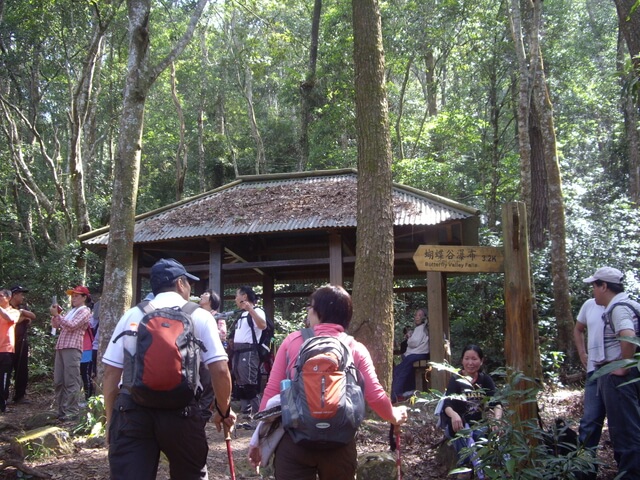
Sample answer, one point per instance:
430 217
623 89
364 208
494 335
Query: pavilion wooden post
438 327
335 259
215 269
521 351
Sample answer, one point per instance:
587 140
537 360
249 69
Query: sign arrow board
466 259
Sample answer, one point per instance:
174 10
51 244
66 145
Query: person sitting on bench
417 349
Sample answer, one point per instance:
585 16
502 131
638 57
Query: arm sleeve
278 371
374 394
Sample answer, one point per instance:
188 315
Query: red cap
79 289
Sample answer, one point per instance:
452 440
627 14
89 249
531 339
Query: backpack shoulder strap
307 333
250 322
146 306
190 307
253 332
609 314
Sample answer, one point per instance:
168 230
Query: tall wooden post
521 351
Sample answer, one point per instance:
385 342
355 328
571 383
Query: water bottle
290 413
284 384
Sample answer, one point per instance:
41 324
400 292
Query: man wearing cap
66 371
21 355
138 434
621 398
8 318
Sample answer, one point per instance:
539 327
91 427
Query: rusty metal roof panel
282 202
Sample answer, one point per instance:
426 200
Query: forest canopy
259 90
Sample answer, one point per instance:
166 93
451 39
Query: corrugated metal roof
284 202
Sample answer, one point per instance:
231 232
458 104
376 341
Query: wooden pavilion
294 228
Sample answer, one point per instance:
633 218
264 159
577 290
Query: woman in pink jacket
329 314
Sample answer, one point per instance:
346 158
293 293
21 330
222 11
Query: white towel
266 437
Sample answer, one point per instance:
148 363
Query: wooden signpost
521 352
463 259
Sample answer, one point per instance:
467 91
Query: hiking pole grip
227 439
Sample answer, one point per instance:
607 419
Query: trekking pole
227 439
398 457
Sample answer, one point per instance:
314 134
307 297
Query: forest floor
418 441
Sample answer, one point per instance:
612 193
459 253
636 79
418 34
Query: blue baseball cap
165 271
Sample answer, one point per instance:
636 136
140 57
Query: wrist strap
223 416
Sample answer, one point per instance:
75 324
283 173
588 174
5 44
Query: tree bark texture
629 26
373 278
545 187
81 105
524 102
307 88
181 151
555 199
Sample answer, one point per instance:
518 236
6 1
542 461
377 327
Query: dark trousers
294 462
137 435
6 366
622 401
403 375
21 367
86 372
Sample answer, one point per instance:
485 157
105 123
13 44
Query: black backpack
162 357
263 345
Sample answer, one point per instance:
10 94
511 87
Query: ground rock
377 466
39 420
45 439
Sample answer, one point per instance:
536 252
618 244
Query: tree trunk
524 103
181 151
12 119
547 180
202 105
539 216
398 125
373 321
306 89
555 199
140 77
261 162
432 82
629 26
81 105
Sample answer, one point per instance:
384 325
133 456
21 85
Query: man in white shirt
620 389
590 323
417 349
138 434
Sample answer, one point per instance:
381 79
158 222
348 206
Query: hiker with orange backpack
299 454
151 379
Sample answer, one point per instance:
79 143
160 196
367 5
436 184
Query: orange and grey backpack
162 357
323 403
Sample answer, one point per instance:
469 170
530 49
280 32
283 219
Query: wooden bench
422 372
